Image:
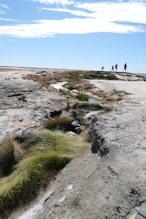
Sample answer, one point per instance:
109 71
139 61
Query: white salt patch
62 199
39 206
70 187
59 85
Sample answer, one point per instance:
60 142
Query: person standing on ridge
125 67
102 68
112 68
116 67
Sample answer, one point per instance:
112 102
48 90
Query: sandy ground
110 187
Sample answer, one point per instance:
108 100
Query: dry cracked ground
103 187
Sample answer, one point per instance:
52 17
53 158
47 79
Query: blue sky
73 34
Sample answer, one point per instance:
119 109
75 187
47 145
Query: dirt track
111 187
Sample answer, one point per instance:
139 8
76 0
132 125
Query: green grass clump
82 97
78 115
60 123
74 76
70 87
37 166
7 157
64 92
88 106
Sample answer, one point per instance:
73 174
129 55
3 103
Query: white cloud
62 2
47 28
107 16
2 12
74 12
5 6
8 19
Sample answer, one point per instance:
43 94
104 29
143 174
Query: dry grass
82 97
88 106
37 164
60 123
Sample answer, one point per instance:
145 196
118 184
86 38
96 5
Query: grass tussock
60 123
71 87
82 97
7 157
88 106
37 166
78 115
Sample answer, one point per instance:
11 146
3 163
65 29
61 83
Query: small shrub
74 76
27 140
7 158
88 106
88 77
74 113
78 115
64 92
70 87
60 123
82 97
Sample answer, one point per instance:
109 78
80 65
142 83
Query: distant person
102 68
125 67
112 68
116 67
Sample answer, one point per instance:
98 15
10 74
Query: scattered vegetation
78 115
82 97
7 158
60 123
28 162
74 76
39 163
64 92
88 106
71 87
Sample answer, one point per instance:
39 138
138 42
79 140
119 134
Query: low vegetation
78 115
88 106
59 123
82 97
40 160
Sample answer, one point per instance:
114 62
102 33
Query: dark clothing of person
125 66
116 67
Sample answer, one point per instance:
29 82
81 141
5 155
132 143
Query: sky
73 34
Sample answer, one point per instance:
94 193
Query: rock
55 113
76 123
15 94
71 133
99 145
22 98
79 129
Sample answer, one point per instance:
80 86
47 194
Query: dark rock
79 129
22 98
55 113
99 145
15 95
